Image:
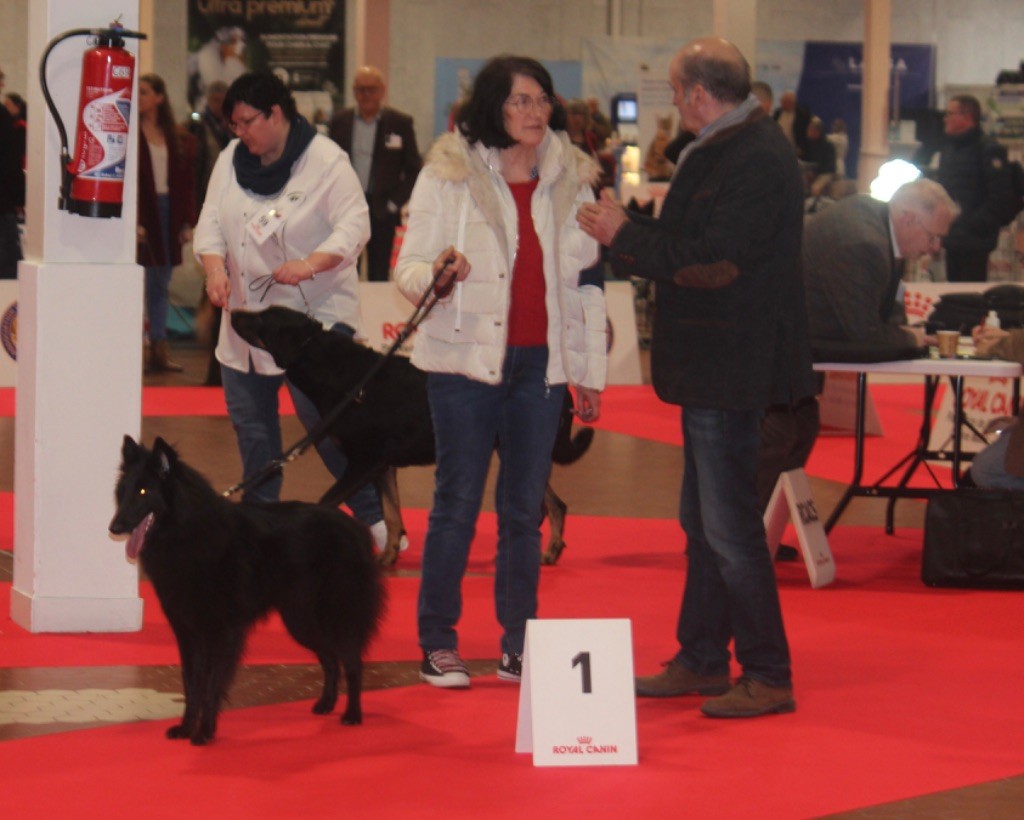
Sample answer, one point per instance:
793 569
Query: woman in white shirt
283 223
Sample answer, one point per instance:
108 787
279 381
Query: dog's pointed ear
166 458
130 451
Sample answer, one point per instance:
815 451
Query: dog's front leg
353 714
189 720
218 660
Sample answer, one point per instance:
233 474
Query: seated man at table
1001 464
853 255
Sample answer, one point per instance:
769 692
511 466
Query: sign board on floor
576 701
792 501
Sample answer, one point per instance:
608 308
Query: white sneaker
379 531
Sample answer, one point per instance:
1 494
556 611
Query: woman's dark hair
481 118
164 113
261 90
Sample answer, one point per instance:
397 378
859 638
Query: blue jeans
730 580
158 279
988 468
521 415
252 405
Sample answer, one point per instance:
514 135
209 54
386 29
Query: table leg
858 453
917 457
958 420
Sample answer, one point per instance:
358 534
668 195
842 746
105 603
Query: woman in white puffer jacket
494 212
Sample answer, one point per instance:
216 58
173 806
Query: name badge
263 225
393 142
267 223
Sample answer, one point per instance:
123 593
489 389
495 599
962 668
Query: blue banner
830 85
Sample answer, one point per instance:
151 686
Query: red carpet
902 690
636 411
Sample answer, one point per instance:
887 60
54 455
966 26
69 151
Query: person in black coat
793 118
974 170
12 192
730 339
381 143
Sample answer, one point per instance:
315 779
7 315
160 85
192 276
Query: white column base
38 614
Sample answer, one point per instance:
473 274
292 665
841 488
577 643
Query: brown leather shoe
675 679
160 360
751 698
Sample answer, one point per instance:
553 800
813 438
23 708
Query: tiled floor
59 699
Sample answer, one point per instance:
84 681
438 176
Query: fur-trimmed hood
562 167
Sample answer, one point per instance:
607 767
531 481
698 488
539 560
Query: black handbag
964 311
974 538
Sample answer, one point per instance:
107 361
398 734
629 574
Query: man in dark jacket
974 170
381 143
730 339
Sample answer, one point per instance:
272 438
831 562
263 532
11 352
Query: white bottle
992 320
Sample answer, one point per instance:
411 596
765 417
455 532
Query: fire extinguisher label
104 144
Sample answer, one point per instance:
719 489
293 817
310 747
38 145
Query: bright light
892 175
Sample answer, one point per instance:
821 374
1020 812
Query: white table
932 370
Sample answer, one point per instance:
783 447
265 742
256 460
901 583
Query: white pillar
874 106
79 362
736 21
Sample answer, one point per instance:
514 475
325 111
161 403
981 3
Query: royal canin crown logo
585 740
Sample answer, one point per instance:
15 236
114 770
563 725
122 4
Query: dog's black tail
568 447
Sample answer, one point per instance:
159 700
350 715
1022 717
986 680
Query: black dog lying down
218 567
390 426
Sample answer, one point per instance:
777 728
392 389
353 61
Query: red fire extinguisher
92 183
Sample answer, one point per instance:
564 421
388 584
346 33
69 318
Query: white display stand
792 501
79 375
385 311
576 701
838 407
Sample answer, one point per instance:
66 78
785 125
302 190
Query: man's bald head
368 87
718 66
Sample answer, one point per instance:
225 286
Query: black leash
322 428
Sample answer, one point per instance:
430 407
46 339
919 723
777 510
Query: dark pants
967 266
787 438
730 590
378 249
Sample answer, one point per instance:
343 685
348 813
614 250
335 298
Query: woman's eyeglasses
236 127
524 103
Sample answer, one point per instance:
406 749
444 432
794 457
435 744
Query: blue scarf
267 180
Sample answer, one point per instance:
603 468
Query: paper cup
947 343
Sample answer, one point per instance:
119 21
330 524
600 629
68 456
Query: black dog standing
218 567
389 425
